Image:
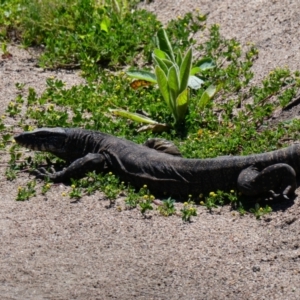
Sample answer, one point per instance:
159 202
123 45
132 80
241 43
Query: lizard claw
42 173
273 195
284 195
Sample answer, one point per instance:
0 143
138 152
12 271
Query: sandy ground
52 248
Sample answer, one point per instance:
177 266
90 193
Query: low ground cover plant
98 38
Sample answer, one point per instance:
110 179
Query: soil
53 248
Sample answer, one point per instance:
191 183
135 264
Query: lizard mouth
43 139
29 142
21 141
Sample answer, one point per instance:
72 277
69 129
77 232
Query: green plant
120 7
218 198
11 173
110 185
4 48
173 74
46 187
24 193
81 33
132 198
189 210
260 211
13 166
145 205
13 109
146 199
167 208
75 192
241 209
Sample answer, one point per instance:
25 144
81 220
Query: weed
110 185
146 199
219 198
75 192
11 173
46 187
13 109
167 208
82 33
24 193
188 211
145 205
132 198
260 211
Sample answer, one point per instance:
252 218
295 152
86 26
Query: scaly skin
164 173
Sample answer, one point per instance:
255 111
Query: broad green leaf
185 69
165 64
163 84
173 78
173 96
206 63
203 100
161 54
211 90
132 116
182 102
164 43
206 96
105 23
142 75
195 82
161 63
179 58
195 70
168 63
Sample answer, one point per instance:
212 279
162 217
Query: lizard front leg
278 177
78 168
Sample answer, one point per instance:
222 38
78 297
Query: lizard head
44 139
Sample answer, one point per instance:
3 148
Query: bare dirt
52 248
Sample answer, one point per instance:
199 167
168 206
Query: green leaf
195 82
132 116
142 75
206 63
163 84
173 96
211 90
195 70
185 69
179 58
206 96
161 63
165 64
168 63
173 78
105 23
182 102
160 54
164 43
